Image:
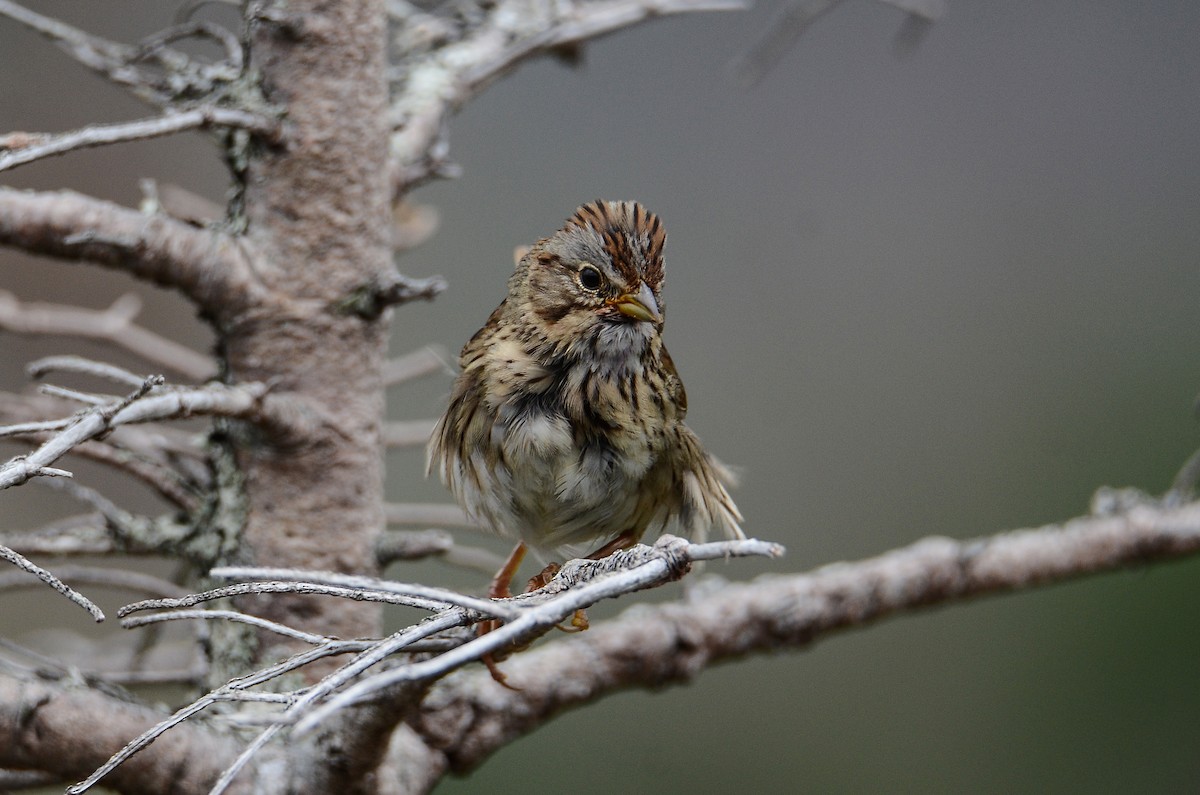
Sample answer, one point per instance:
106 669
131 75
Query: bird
564 431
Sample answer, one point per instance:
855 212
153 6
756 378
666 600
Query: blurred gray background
950 293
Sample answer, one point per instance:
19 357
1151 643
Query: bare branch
208 266
393 289
247 401
579 22
411 545
25 564
114 325
580 584
80 365
440 598
124 755
19 148
132 622
165 481
40 729
236 689
180 77
434 84
655 644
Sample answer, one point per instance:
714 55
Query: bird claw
579 622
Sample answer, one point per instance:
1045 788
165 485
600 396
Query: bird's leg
500 589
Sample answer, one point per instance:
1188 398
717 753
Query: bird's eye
590 278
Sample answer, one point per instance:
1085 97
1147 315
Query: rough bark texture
316 211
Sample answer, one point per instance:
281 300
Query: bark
316 213
42 727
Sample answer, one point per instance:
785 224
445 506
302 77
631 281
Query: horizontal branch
19 148
653 645
208 266
114 325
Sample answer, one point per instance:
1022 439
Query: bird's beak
640 305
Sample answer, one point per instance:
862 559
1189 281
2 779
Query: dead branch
433 84
153 71
23 563
246 401
578 585
164 480
39 729
19 148
206 265
649 646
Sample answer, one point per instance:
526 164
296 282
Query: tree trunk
316 215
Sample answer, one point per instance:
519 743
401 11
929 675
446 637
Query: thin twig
86 398
248 401
441 597
579 585
293 587
180 78
78 364
23 563
397 545
231 772
165 480
76 535
140 742
132 622
19 148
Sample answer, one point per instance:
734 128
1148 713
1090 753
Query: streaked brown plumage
565 428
